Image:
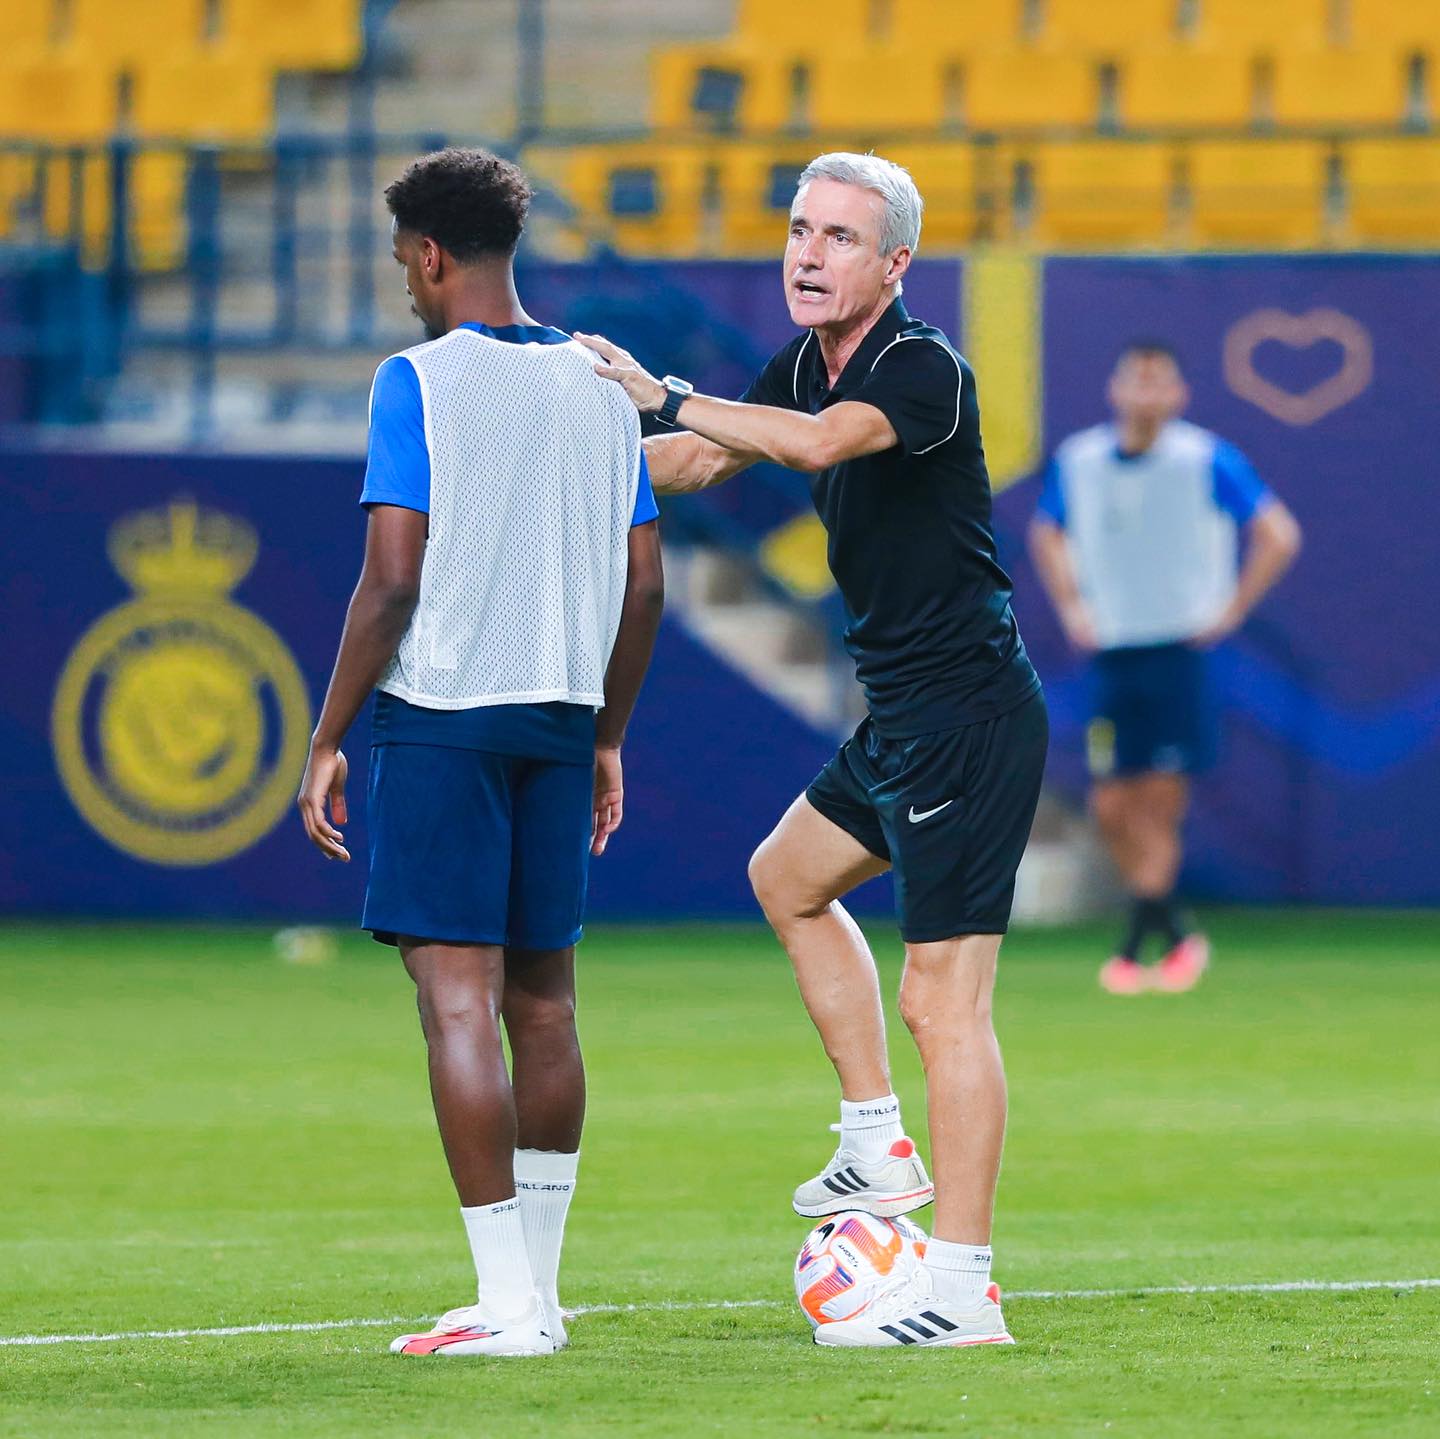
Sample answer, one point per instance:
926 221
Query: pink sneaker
1122 976
1182 967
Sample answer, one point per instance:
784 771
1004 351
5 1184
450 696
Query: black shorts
1151 712
951 812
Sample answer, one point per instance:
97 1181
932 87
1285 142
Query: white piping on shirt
960 374
795 382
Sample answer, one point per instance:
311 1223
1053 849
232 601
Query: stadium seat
1102 192
1258 192
58 97
1186 86
24 25
943 27
1026 89
1393 188
1334 86
296 34
756 186
1272 26
126 35
946 174
157 209
213 96
882 87
642 198
1109 27
795 27
724 88
1402 24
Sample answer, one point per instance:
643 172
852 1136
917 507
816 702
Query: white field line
1292 1286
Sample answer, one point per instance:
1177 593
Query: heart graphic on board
1299 332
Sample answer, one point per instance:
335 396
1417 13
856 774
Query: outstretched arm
798 441
375 623
684 462
634 644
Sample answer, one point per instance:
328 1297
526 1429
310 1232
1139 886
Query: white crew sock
545 1183
868 1127
961 1271
505 1284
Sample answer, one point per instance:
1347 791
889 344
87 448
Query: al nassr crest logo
181 721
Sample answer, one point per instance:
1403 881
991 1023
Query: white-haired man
940 781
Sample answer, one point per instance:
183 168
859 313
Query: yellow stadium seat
124 35
1258 192
57 97
725 88
214 96
1109 27
882 88
1264 25
1024 88
1186 86
24 25
1340 87
1394 190
942 27
798 26
642 198
1102 192
1403 24
944 173
296 34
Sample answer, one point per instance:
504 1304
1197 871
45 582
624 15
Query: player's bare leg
538 1008
799 874
945 1000
459 990
549 1080
1141 819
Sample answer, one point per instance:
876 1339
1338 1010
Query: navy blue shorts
951 812
477 848
1151 712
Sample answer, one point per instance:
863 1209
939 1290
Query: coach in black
941 780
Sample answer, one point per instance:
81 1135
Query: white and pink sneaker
468 1331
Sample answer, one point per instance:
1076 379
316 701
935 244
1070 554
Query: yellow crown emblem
183 548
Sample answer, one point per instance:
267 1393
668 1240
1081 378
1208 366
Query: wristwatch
677 392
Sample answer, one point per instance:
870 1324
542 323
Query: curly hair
470 202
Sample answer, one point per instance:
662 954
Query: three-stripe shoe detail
845 1181
940 1323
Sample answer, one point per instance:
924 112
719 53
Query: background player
941 780
511 587
1135 539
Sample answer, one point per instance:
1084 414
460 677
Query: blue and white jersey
1154 537
531 471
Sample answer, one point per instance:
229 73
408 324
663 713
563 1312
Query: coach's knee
945 999
776 889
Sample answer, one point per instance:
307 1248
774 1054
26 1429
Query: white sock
502 1267
545 1183
868 1127
961 1271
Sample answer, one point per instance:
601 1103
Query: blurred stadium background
195 288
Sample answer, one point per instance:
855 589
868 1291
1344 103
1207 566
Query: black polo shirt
929 623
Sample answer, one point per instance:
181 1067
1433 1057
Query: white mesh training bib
534 469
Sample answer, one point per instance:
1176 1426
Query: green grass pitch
196 1134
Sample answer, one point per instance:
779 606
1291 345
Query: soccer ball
848 1258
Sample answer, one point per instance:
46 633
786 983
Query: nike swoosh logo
916 818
